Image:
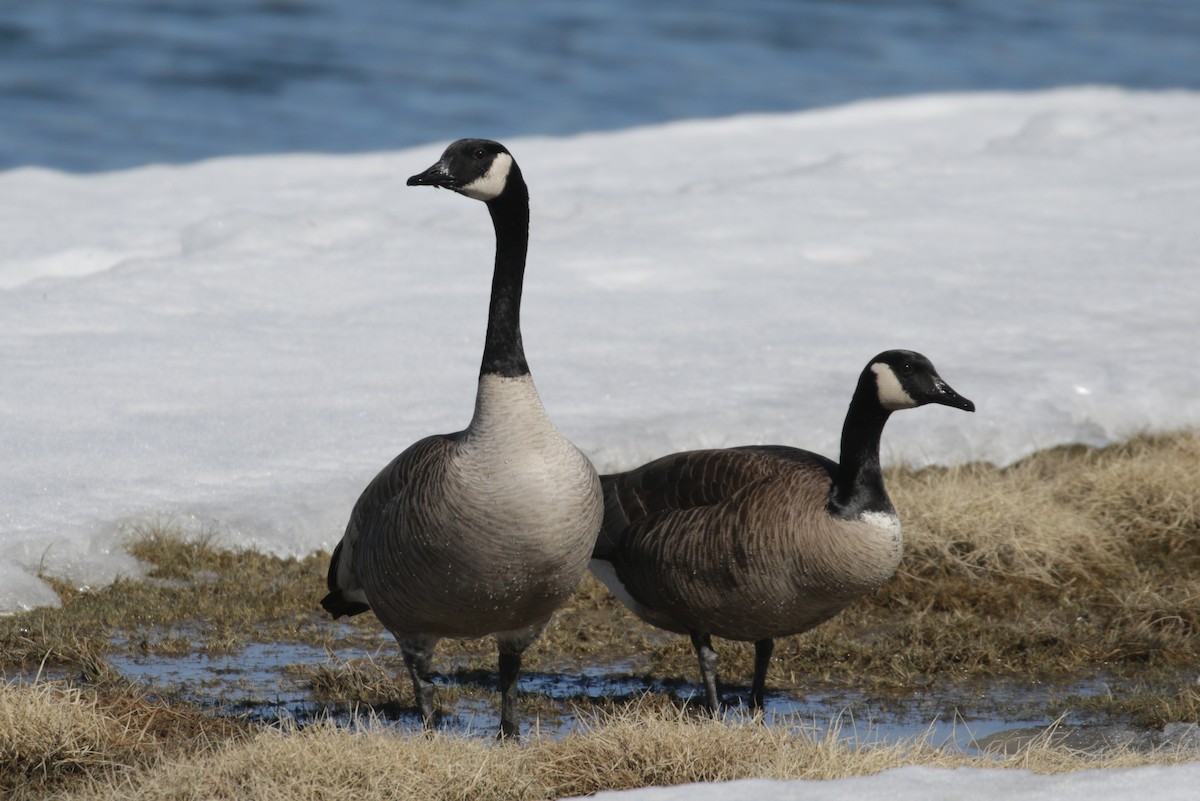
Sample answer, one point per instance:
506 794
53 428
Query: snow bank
237 346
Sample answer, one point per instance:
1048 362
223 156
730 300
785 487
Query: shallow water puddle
255 684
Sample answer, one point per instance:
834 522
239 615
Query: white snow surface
1177 783
237 346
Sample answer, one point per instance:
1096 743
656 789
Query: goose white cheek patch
891 394
491 184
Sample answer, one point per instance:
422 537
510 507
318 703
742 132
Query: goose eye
906 368
480 153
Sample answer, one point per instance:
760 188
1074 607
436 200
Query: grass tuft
54 736
637 745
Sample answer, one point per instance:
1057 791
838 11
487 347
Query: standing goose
760 542
487 530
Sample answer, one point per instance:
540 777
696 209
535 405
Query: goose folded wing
345 589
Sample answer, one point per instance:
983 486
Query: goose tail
341 602
338 605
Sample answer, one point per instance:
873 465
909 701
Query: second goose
760 542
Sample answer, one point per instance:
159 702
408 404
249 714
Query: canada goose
760 542
487 530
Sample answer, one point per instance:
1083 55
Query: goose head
905 379
478 168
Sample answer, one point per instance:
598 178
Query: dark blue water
102 84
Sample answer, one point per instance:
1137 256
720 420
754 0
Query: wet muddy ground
266 682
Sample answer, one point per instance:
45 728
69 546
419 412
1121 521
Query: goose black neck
503 353
859 485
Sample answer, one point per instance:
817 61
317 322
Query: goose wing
346 596
693 483
693 537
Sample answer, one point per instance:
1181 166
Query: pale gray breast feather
513 443
507 511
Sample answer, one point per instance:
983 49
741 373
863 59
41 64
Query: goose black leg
418 656
708 669
762 661
510 666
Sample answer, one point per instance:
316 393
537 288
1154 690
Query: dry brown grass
1062 517
53 735
639 745
197 599
354 681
